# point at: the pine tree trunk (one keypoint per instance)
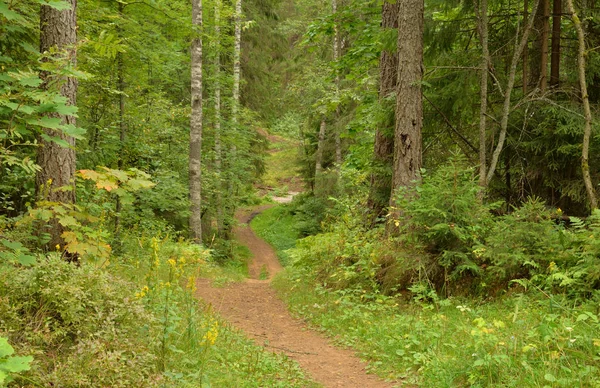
(587, 130)
(409, 104)
(539, 58)
(57, 163)
(195, 162)
(483, 93)
(381, 182)
(556, 31)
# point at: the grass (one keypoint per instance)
(521, 340)
(276, 226)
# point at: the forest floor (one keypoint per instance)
(253, 307)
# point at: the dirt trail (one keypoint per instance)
(254, 308)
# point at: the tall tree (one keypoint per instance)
(217, 118)
(482, 27)
(539, 57)
(381, 184)
(409, 104)
(195, 163)
(55, 180)
(556, 31)
(336, 58)
(237, 50)
(587, 130)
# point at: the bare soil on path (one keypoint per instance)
(254, 308)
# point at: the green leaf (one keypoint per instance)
(56, 4)
(47, 122)
(549, 377)
(14, 245)
(56, 140)
(32, 80)
(73, 131)
(5, 348)
(67, 110)
(26, 260)
(8, 14)
(16, 364)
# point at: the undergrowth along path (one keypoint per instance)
(253, 307)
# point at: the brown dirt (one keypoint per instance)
(254, 308)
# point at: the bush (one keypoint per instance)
(55, 305)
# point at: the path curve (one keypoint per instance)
(254, 308)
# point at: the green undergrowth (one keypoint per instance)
(520, 340)
(130, 321)
(277, 226)
(281, 164)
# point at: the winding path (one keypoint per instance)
(254, 308)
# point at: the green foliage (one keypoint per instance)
(10, 364)
(278, 227)
(513, 341)
(309, 212)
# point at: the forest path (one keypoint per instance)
(254, 308)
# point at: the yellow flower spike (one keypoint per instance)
(57, 247)
(172, 263)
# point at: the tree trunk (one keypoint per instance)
(218, 145)
(587, 131)
(336, 58)
(409, 104)
(237, 49)
(556, 31)
(508, 92)
(320, 144)
(195, 162)
(525, 53)
(383, 155)
(539, 65)
(57, 163)
(482, 18)
(122, 127)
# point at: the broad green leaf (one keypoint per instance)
(32, 80)
(67, 110)
(56, 4)
(56, 140)
(137, 184)
(73, 131)
(14, 245)
(46, 122)
(16, 364)
(9, 14)
(5, 348)
(26, 260)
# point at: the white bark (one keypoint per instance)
(195, 162)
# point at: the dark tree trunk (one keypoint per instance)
(539, 56)
(55, 181)
(381, 178)
(409, 104)
(556, 30)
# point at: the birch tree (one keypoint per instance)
(195, 163)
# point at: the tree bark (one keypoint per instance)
(237, 49)
(409, 104)
(556, 31)
(218, 145)
(55, 181)
(482, 18)
(383, 155)
(508, 92)
(320, 144)
(195, 162)
(539, 65)
(336, 58)
(122, 127)
(587, 130)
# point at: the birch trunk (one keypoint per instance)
(587, 130)
(508, 93)
(195, 162)
(57, 163)
(218, 145)
(336, 58)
